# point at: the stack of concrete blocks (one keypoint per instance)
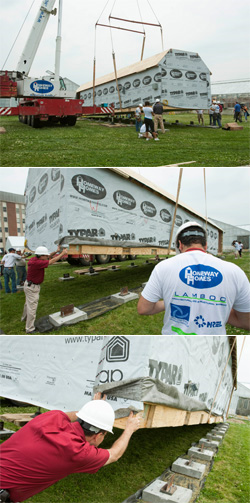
(189, 471)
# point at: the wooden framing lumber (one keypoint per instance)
(158, 416)
(115, 250)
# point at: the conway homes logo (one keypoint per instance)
(191, 75)
(176, 74)
(200, 276)
(136, 83)
(147, 80)
(165, 215)
(88, 187)
(43, 182)
(178, 221)
(148, 209)
(124, 200)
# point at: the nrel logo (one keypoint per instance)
(201, 322)
(42, 86)
(200, 276)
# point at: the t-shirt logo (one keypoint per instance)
(200, 276)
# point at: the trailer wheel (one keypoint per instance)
(35, 122)
(103, 259)
(25, 119)
(64, 121)
(85, 259)
(132, 257)
(73, 261)
(121, 258)
(71, 120)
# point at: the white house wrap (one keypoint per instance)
(60, 372)
(103, 206)
(178, 78)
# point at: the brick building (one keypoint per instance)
(12, 216)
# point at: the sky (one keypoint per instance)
(217, 29)
(227, 189)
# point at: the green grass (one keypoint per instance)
(90, 143)
(150, 452)
(122, 320)
(228, 482)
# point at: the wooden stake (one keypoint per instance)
(175, 210)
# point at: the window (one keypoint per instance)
(17, 210)
(5, 219)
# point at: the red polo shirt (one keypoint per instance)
(46, 450)
(36, 268)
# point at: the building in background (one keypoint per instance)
(230, 91)
(240, 403)
(231, 233)
(12, 217)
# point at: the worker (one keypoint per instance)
(9, 260)
(199, 293)
(158, 111)
(138, 121)
(55, 444)
(148, 121)
(35, 277)
(20, 268)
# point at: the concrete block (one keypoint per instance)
(152, 494)
(205, 455)
(117, 297)
(19, 288)
(222, 433)
(208, 443)
(217, 438)
(5, 433)
(66, 279)
(144, 284)
(57, 320)
(91, 273)
(195, 470)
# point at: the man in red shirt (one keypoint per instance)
(56, 444)
(35, 277)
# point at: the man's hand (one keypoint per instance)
(98, 396)
(133, 422)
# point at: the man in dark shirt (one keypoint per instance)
(158, 111)
(35, 277)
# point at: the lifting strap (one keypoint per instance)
(175, 210)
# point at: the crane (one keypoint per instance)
(44, 98)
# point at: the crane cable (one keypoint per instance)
(143, 27)
(94, 63)
(158, 23)
(17, 35)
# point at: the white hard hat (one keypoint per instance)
(188, 233)
(42, 250)
(18, 249)
(98, 413)
(157, 101)
(141, 105)
(217, 101)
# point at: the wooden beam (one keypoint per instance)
(115, 250)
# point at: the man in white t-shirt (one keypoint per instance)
(200, 292)
(148, 120)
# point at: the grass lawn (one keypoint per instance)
(90, 143)
(83, 289)
(150, 452)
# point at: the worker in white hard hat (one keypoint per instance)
(199, 293)
(35, 277)
(56, 444)
(158, 111)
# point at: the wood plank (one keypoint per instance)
(17, 419)
(115, 250)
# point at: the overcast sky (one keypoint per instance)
(228, 189)
(217, 29)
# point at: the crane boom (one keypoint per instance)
(32, 44)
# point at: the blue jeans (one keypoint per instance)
(21, 274)
(9, 273)
(138, 125)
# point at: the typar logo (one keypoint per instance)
(88, 186)
(42, 86)
(117, 350)
(200, 276)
